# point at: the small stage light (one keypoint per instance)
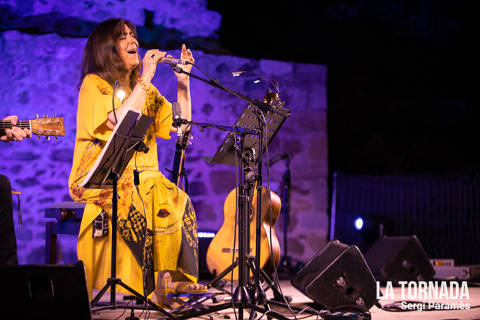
(358, 223)
(120, 94)
(370, 227)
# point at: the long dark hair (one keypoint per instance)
(101, 54)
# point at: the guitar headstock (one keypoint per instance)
(48, 126)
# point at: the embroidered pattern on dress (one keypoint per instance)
(133, 230)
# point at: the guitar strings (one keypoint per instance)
(21, 124)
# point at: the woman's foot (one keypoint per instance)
(171, 283)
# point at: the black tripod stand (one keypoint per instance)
(125, 140)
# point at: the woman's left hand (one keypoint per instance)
(15, 133)
(185, 55)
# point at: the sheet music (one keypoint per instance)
(248, 120)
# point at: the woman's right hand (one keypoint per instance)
(150, 61)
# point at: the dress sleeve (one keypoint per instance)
(160, 109)
(94, 105)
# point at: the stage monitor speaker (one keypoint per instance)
(44, 292)
(338, 278)
(399, 259)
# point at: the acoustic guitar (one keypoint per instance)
(39, 126)
(220, 250)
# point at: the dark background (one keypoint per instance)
(400, 88)
(402, 115)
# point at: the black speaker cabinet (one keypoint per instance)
(44, 292)
(399, 259)
(338, 278)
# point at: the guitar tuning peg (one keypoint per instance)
(56, 138)
(38, 138)
(47, 138)
(36, 116)
(54, 115)
(45, 116)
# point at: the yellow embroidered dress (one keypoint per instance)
(166, 211)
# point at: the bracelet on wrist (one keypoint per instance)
(143, 84)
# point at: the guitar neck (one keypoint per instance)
(6, 124)
(40, 126)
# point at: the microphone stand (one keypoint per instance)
(245, 296)
(286, 268)
(265, 107)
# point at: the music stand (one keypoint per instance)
(249, 120)
(126, 139)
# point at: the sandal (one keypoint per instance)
(176, 290)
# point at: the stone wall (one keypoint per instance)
(40, 74)
(190, 18)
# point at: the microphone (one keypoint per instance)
(177, 119)
(177, 116)
(176, 110)
(173, 61)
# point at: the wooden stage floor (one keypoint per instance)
(299, 299)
